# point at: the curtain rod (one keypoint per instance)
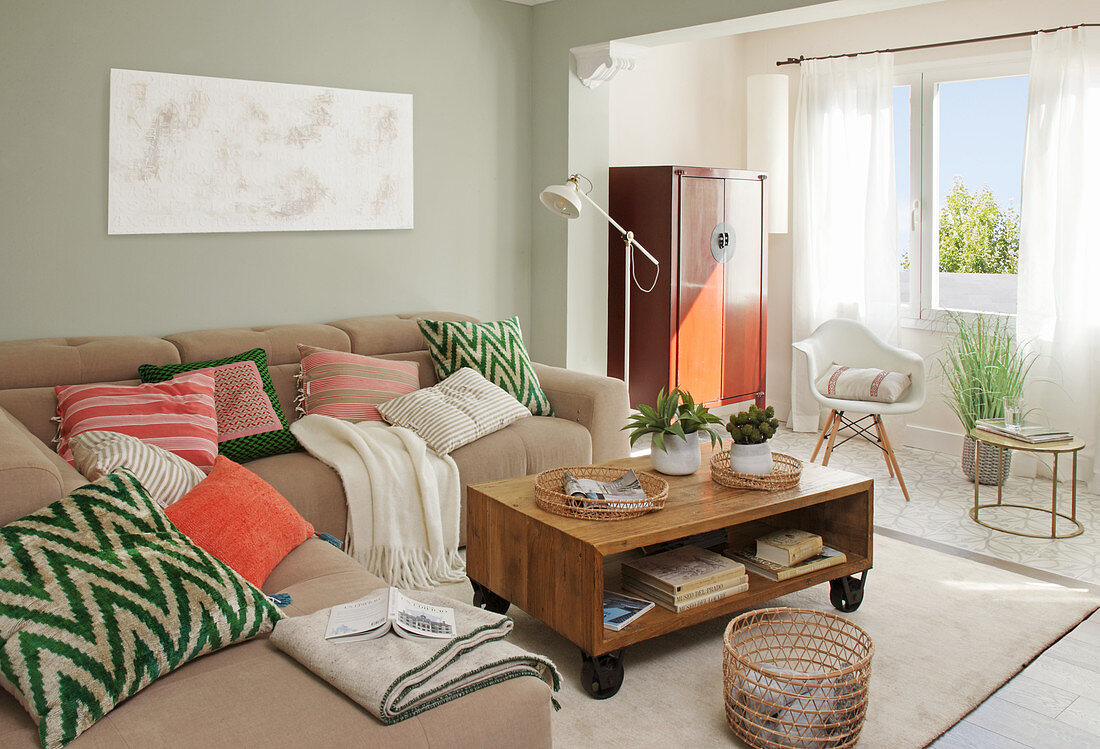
(799, 59)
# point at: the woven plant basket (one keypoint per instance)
(786, 472)
(987, 462)
(796, 678)
(549, 496)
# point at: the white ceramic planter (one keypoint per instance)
(754, 459)
(680, 456)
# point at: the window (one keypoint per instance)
(959, 148)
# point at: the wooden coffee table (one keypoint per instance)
(556, 568)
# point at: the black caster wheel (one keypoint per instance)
(846, 593)
(488, 600)
(602, 675)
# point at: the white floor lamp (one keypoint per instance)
(565, 200)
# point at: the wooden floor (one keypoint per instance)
(1054, 702)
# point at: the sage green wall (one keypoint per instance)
(466, 62)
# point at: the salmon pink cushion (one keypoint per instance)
(240, 519)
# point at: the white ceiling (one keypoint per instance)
(529, 2)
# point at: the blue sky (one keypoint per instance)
(981, 139)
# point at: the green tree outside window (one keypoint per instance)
(977, 234)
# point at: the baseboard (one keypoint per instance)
(936, 440)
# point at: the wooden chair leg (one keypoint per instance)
(893, 459)
(821, 436)
(832, 437)
(885, 456)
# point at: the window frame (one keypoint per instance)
(923, 310)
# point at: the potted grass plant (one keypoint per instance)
(675, 422)
(750, 432)
(982, 366)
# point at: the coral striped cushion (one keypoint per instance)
(177, 416)
(462, 408)
(165, 476)
(350, 386)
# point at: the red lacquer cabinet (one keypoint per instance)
(704, 325)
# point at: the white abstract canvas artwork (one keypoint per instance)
(197, 154)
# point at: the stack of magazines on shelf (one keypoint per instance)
(1027, 432)
(683, 578)
(787, 553)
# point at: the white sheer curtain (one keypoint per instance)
(1059, 268)
(845, 207)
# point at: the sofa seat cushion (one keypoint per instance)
(310, 486)
(252, 695)
(523, 447)
(317, 575)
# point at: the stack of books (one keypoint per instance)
(787, 553)
(684, 578)
(1027, 432)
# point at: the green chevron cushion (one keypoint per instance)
(495, 349)
(251, 424)
(100, 595)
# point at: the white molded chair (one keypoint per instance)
(852, 344)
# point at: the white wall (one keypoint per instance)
(647, 92)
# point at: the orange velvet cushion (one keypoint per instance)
(241, 519)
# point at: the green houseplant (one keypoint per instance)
(671, 420)
(750, 432)
(982, 365)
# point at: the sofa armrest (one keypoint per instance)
(29, 479)
(597, 403)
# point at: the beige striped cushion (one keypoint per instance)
(166, 476)
(457, 411)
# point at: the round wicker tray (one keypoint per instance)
(786, 471)
(796, 677)
(549, 496)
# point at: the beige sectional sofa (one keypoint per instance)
(252, 694)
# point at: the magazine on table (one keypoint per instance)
(389, 609)
(620, 610)
(626, 486)
(1027, 432)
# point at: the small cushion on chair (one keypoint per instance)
(878, 385)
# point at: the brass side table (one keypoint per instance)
(1072, 446)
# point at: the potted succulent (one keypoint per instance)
(750, 451)
(675, 423)
(982, 366)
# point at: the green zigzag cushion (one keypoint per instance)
(495, 349)
(251, 424)
(100, 595)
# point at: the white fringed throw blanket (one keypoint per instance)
(403, 499)
(395, 678)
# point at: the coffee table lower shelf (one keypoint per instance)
(659, 621)
(602, 670)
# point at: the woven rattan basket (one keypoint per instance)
(549, 495)
(786, 472)
(796, 678)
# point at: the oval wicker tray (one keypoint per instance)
(786, 472)
(549, 495)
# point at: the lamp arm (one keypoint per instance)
(623, 231)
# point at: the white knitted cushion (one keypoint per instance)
(166, 476)
(457, 411)
(878, 385)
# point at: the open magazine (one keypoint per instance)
(626, 486)
(371, 617)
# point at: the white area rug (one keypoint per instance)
(948, 632)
